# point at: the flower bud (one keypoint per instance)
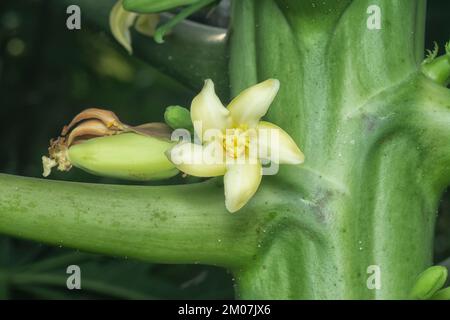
(178, 118)
(429, 282)
(98, 142)
(443, 294)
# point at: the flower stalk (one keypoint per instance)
(151, 6)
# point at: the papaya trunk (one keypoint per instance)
(347, 97)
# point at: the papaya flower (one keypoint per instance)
(233, 141)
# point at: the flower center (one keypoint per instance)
(235, 142)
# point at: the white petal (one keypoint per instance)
(197, 160)
(147, 24)
(252, 104)
(120, 22)
(207, 112)
(277, 145)
(241, 182)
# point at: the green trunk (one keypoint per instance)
(362, 179)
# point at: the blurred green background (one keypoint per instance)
(47, 75)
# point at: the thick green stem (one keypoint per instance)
(174, 224)
(350, 97)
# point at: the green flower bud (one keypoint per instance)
(429, 282)
(443, 294)
(178, 117)
(129, 156)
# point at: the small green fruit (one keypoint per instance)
(127, 156)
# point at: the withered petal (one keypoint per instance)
(108, 117)
(155, 129)
(92, 128)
